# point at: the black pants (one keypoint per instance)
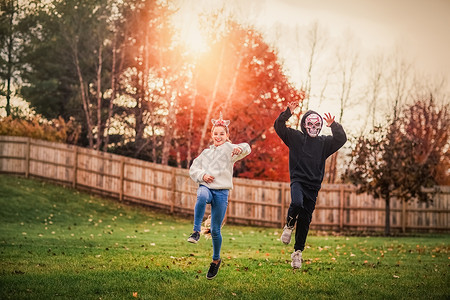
(303, 203)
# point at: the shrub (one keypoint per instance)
(56, 130)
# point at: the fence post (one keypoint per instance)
(174, 189)
(283, 203)
(403, 215)
(341, 207)
(27, 158)
(121, 178)
(75, 166)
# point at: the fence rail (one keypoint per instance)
(252, 202)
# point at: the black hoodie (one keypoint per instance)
(307, 155)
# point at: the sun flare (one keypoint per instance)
(193, 38)
(187, 24)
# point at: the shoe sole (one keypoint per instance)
(192, 241)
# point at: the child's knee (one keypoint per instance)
(305, 216)
(297, 204)
(203, 195)
(215, 232)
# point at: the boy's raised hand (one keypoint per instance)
(292, 106)
(329, 119)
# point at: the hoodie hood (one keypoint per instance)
(302, 123)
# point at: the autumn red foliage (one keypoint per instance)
(427, 125)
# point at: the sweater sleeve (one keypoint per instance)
(337, 140)
(280, 126)
(246, 149)
(196, 171)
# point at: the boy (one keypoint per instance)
(307, 155)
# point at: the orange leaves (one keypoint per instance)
(56, 130)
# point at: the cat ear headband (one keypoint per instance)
(220, 121)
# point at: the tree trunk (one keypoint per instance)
(100, 127)
(113, 92)
(143, 97)
(9, 62)
(154, 143)
(177, 146)
(84, 98)
(168, 134)
(332, 168)
(139, 127)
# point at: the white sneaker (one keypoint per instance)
(286, 235)
(296, 259)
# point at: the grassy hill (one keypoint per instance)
(58, 243)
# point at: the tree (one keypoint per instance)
(427, 126)
(12, 38)
(398, 160)
(375, 164)
(151, 79)
(68, 69)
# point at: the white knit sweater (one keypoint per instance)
(217, 162)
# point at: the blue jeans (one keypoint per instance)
(219, 202)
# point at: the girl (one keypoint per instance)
(213, 171)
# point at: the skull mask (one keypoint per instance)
(313, 124)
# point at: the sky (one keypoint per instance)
(423, 26)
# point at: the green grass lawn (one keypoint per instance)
(58, 243)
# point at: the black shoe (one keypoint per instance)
(195, 236)
(213, 269)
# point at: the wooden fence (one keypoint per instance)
(253, 202)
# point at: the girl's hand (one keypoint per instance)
(236, 151)
(329, 119)
(208, 178)
(292, 106)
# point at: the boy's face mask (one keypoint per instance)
(313, 125)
